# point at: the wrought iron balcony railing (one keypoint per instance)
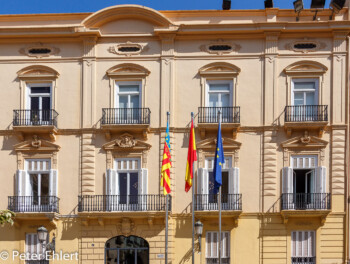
(103, 203)
(306, 113)
(303, 260)
(209, 202)
(216, 261)
(33, 204)
(210, 114)
(119, 116)
(306, 201)
(35, 117)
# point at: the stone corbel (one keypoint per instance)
(20, 136)
(100, 221)
(53, 222)
(85, 222)
(285, 219)
(17, 223)
(52, 136)
(202, 132)
(289, 132)
(323, 219)
(320, 132)
(235, 221)
(150, 221)
(234, 134)
(108, 134)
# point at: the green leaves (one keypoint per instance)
(6, 216)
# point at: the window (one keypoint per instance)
(39, 103)
(206, 199)
(127, 185)
(219, 93)
(33, 246)
(212, 247)
(304, 184)
(37, 186)
(305, 92)
(303, 247)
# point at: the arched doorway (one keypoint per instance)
(126, 250)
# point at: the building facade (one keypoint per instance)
(85, 100)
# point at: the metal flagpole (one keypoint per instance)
(219, 205)
(193, 181)
(166, 214)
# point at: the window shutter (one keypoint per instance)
(225, 248)
(321, 179)
(303, 243)
(287, 180)
(208, 245)
(28, 188)
(21, 183)
(112, 189)
(53, 183)
(215, 248)
(233, 181)
(199, 181)
(143, 187)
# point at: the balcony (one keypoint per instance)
(303, 260)
(123, 203)
(305, 117)
(305, 204)
(208, 119)
(35, 121)
(118, 119)
(33, 204)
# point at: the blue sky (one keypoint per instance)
(68, 6)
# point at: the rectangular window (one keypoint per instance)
(212, 247)
(39, 101)
(33, 246)
(305, 92)
(303, 247)
(128, 173)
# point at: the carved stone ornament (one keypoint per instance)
(227, 47)
(306, 138)
(126, 226)
(39, 50)
(317, 45)
(128, 49)
(36, 142)
(125, 141)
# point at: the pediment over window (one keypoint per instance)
(305, 141)
(36, 145)
(129, 70)
(306, 67)
(126, 142)
(119, 12)
(219, 69)
(37, 71)
(210, 143)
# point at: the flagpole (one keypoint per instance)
(219, 202)
(166, 214)
(193, 186)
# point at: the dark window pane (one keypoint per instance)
(34, 103)
(36, 90)
(123, 187)
(134, 188)
(45, 103)
(224, 186)
(44, 184)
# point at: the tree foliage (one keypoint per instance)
(6, 216)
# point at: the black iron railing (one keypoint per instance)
(216, 260)
(103, 203)
(306, 113)
(33, 204)
(303, 260)
(209, 202)
(210, 114)
(38, 261)
(35, 117)
(116, 116)
(306, 201)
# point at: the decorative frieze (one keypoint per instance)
(128, 49)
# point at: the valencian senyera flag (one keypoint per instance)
(219, 160)
(191, 158)
(166, 164)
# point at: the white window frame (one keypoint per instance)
(33, 246)
(304, 158)
(225, 252)
(118, 83)
(311, 247)
(209, 82)
(317, 88)
(39, 173)
(128, 171)
(29, 95)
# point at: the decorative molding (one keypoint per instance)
(37, 72)
(210, 143)
(319, 45)
(36, 145)
(304, 142)
(125, 141)
(219, 69)
(115, 49)
(220, 42)
(127, 69)
(36, 142)
(126, 226)
(26, 50)
(305, 68)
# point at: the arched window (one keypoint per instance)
(127, 250)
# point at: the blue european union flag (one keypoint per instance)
(218, 161)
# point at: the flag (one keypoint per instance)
(166, 164)
(218, 161)
(191, 157)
